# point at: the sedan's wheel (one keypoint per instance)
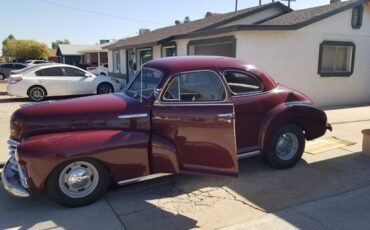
(105, 88)
(287, 147)
(2, 76)
(37, 93)
(78, 183)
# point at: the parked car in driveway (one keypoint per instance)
(40, 81)
(37, 62)
(103, 70)
(196, 115)
(6, 68)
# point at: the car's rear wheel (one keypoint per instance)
(2, 76)
(287, 147)
(78, 183)
(105, 88)
(37, 93)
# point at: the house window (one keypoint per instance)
(116, 61)
(169, 51)
(336, 58)
(144, 55)
(357, 13)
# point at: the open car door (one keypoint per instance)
(194, 114)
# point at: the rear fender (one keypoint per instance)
(125, 154)
(312, 120)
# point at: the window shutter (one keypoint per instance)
(357, 17)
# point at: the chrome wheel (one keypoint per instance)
(287, 146)
(78, 179)
(37, 94)
(105, 88)
(2, 76)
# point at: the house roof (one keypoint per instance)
(290, 20)
(166, 33)
(311, 15)
(65, 49)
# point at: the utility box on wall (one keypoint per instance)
(366, 141)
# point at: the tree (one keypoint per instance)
(25, 49)
(6, 40)
(187, 19)
(54, 45)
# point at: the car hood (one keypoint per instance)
(110, 111)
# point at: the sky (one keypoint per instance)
(88, 21)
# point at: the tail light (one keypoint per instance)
(14, 79)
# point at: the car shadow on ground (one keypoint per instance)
(188, 201)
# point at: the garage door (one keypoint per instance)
(224, 46)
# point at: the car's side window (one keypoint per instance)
(39, 73)
(195, 87)
(72, 72)
(242, 83)
(52, 72)
(18, 66)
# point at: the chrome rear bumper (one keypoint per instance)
(12, 182)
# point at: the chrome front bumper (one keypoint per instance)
(13, 176)
(11, 181)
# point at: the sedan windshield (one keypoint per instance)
(145, 82)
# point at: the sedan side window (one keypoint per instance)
(241, 83)
(195, 87)
(72, 72)
(52, 72)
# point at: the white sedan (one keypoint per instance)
(40, 81)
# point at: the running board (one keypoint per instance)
(139, 179)
(248, 154)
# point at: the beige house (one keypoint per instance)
(322, 51)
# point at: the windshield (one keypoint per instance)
(148, 81)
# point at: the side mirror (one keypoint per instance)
(157, 92)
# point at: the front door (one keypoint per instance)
(195, 114)
(77, 82)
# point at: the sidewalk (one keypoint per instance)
(324, 191)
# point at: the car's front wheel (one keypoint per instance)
(287, 147)
(78, 183)
(37, 93)
(2, 76)
(105, 88)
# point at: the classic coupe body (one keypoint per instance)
(195, 115)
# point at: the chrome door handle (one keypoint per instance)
(225, 115)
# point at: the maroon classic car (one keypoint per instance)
(195, 115)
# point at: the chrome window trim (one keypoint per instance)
(170, 79)
(128, 116)
(137, 74)
(249, 74)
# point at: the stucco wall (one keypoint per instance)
(110, 61)
(156, 52)
(291, 58)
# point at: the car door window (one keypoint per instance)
(73, 72)
(195, 87)
(7, 66)
(18, 66)
(52, 72)
(242, 83)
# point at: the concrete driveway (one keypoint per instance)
(330, 190)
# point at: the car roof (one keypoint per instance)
(173, 65)
(188, 63)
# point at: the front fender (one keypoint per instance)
(124, 153)
(312, 120)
